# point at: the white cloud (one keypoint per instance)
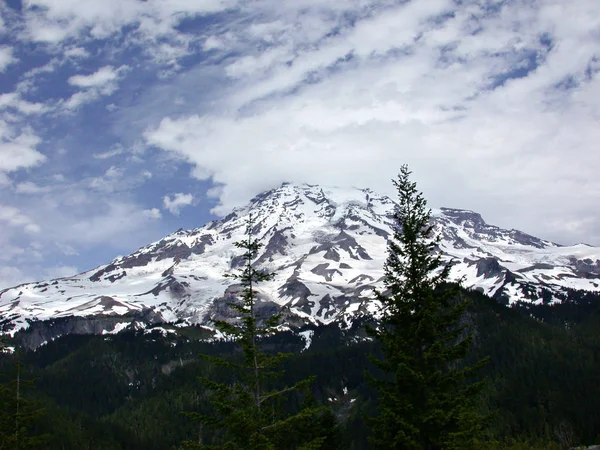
(66, 249)
(14, 100)
(28, 187)
(9, 252)
(26, 264)
(152, 24)
(6, 58)
(103, 76)
(399, 86)
(153, 213)
(60, 272)
(117, 179)
(100, 83)
(76, 52)
(169, 54)
(110, 181)
(102, 19)
(212, 43)
(14, 217)
(11, 276)
(74, 221)
(81, 98)
(117, 223)
(27, 83)
(177, 202)
(252, 64)
(40, 29)
(18, 152)
(109, 153)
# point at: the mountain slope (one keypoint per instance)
(327, 246)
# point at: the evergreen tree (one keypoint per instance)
(249, 411)
(427, 398)
(18, 413)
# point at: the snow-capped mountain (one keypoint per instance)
(327, 247)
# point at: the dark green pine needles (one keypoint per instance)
(427, 399)
(18, 413)
(249, 413)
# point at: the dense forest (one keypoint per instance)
(130, 390)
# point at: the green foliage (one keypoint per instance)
(524, 444)
(540, 374)
(426, 399)
(18, 413)
(247, 412)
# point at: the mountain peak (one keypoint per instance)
(327, 246)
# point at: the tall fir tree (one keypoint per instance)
(249, 411)
(427, 398)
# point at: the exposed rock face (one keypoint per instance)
(488, 268)
(327, 247)
(40, 332)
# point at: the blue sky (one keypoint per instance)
(124, 120)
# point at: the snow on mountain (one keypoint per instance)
(327, 247)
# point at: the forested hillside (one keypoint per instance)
(128, 391)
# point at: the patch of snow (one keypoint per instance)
(161, 330)
(118, 328)
(307, 335)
